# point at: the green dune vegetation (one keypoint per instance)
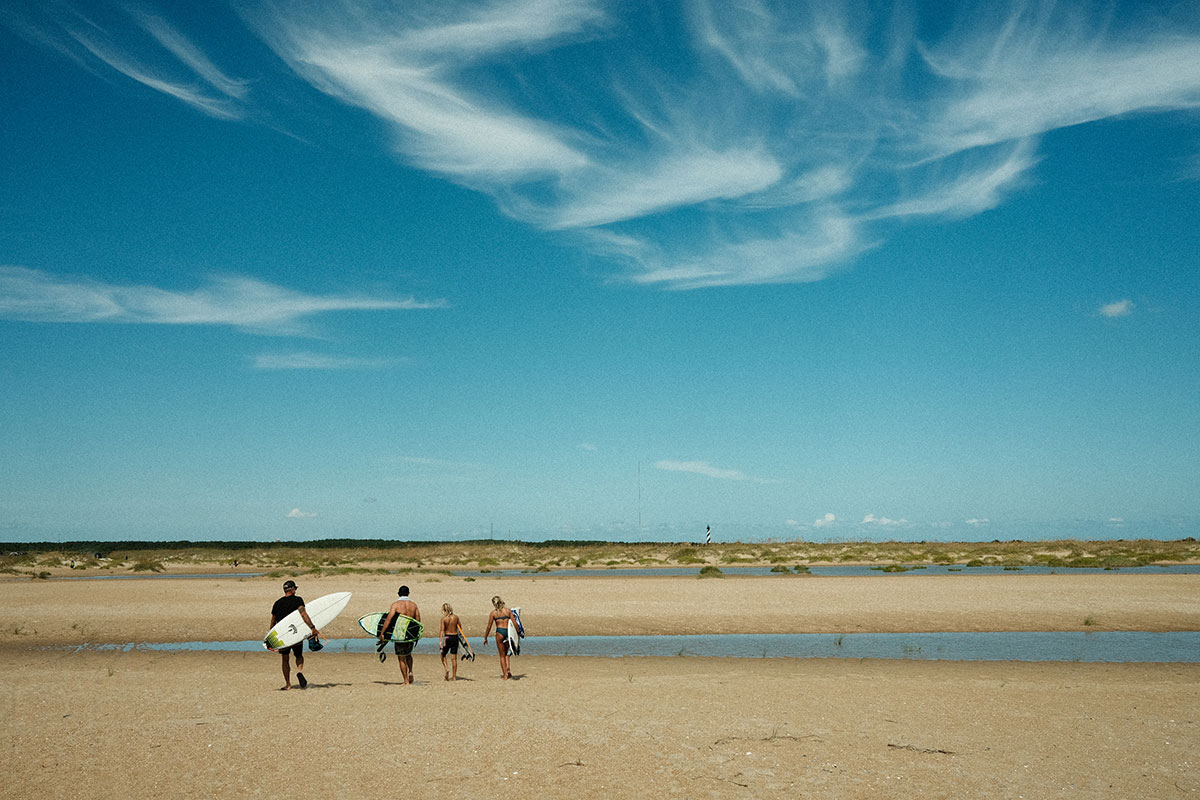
(379, 556)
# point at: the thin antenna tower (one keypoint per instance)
(639, 495)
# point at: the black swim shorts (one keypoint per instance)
(403, 648)
(451, 645)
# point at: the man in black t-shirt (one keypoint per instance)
(284, 606)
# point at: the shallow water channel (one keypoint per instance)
(1100, 646)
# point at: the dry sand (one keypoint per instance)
(153, 724)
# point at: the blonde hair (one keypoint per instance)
(446, 610)
(497, 602)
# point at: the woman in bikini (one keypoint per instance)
(501, 617)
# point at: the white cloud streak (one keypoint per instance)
(191, 56)
(143, 47)
(709, 471)
(318, 361)
(1044, 68)
(383, 58)
(187, 93)
(242, 302)
(701, 468)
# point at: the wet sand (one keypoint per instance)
(155, 724)
(105, 611)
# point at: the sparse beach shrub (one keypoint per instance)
(711, 572)
(780, 568)
(893, 568)
(974, 562)
(802, 569)
(147, 566)
(686, 555)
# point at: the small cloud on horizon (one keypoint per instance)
(976, 521)
(587, 446)
(296, 513)
(824, 521)
(1121, 308)
(871, 519)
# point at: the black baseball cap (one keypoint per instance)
(289, 585)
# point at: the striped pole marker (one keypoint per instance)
(708, 534)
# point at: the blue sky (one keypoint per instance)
(568, 268)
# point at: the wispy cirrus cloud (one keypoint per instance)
(705, 143)
(238, 301)
(1022, 70)
(140, 45)
(708, 471)
(404, 63)
(783, 140)
(318, 361)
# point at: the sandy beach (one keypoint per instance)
(82, 723)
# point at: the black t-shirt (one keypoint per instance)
(286, 605)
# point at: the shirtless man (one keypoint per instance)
(449, 640)
(404, 607)
(284, 606)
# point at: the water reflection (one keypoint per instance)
(1100, 646)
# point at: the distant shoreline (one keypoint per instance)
(333, 557)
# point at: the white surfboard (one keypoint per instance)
(516, 632)
(292, 628)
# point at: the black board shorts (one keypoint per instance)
(403, 648)
(297, 649)
(451, 645)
